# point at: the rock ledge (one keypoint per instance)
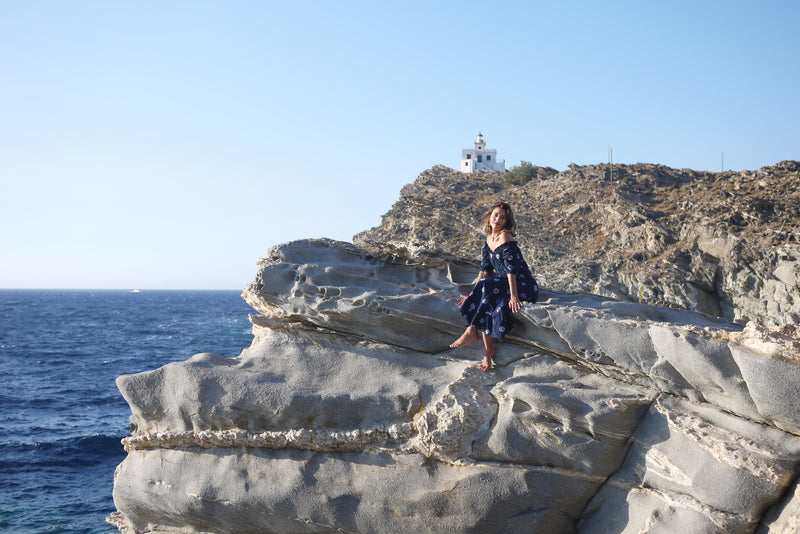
(350, 413)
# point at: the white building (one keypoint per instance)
(481, 158)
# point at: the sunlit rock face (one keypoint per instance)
(350, 413)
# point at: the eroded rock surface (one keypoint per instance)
(350, 413)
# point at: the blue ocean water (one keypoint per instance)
(61, 415)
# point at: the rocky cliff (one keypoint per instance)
(725, 244)
(350, 413)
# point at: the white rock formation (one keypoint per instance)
(350, 413)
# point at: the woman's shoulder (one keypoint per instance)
(505, 237)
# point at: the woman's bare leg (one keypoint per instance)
(488, 353)
(469, 335)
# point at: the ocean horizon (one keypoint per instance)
(63, 417)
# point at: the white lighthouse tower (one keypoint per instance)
(481, 158)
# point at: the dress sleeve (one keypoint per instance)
(512, 257)
(486, 264)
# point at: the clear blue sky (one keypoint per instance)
(151, 144)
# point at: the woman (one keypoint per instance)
(489, 306)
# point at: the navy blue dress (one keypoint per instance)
(486, 307)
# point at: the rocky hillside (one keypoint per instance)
(725, 244)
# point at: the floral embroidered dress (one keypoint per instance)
(486, 307)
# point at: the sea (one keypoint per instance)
(61, 414)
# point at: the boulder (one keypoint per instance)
(350, 413)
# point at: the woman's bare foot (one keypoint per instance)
(469, 335)
(486, 364)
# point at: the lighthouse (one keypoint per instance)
(480, 158)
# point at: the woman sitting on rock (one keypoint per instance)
(489, 306)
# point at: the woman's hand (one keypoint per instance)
(461, 301)
(515, 304)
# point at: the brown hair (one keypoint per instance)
(511, 224)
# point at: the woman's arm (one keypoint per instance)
(481, 276)
(514, 304)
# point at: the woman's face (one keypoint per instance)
(497, 220)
